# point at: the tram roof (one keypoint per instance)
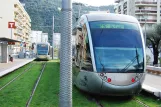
(110, 16)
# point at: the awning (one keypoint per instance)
(2, 39)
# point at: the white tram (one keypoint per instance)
(109, 54)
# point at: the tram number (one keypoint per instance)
(112, 26)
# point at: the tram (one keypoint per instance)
(43, 51)
(109, 54)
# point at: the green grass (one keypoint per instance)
(18, 92)
(122, 101)
(149, 99)
(9, 77)
(46, 94)
(79, 99)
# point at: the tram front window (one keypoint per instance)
(117, 47)
(42, 49)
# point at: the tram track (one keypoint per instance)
(11, 81)
(96, 100)
(36, 84)
(92, 98)
(140, 102)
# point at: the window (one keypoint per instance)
(86, 62)
(83, 55)
(117, 47)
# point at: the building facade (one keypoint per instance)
(146, 11)
(44, 37)
(13, 11)
(36, 36)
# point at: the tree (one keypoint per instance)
(154, 37)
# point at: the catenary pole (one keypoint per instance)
(53, 40)
(65, 95)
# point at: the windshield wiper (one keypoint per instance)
(137, 57)
(133, 60)
(103, 67)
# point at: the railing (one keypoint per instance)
(147, 20)
(154, 70)
(145, 2)
(146, 10)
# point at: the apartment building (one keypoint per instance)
(13, 11)
(146, 11)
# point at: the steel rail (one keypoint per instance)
(94, 99)
(16, 77)
(35, 86)
(140, 102)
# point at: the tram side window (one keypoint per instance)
(86, 62)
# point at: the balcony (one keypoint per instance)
(142, 13)
(18, 19)
(18, 12)
(145, 3)
(19, 26)
(149, 21)
(145, 11)
(18, 32)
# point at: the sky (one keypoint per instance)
(96, 2)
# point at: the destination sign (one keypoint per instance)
(113, 25)
(42, 45)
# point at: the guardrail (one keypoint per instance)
(154, 70)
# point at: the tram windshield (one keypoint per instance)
(117, 47)
(42, 49)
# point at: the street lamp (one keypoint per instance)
(79, 9)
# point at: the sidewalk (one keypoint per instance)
(152, 84)
(6, 68)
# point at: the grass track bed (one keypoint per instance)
(18, 92)
(121, 101)
(149, 99)
(7, 78)
(47, 92)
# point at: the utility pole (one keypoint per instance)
(53, 41)
(65, 94)
(145, 30)
(145, 17)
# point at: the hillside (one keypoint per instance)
(41, 13)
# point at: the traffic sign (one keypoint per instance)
(11, 25)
